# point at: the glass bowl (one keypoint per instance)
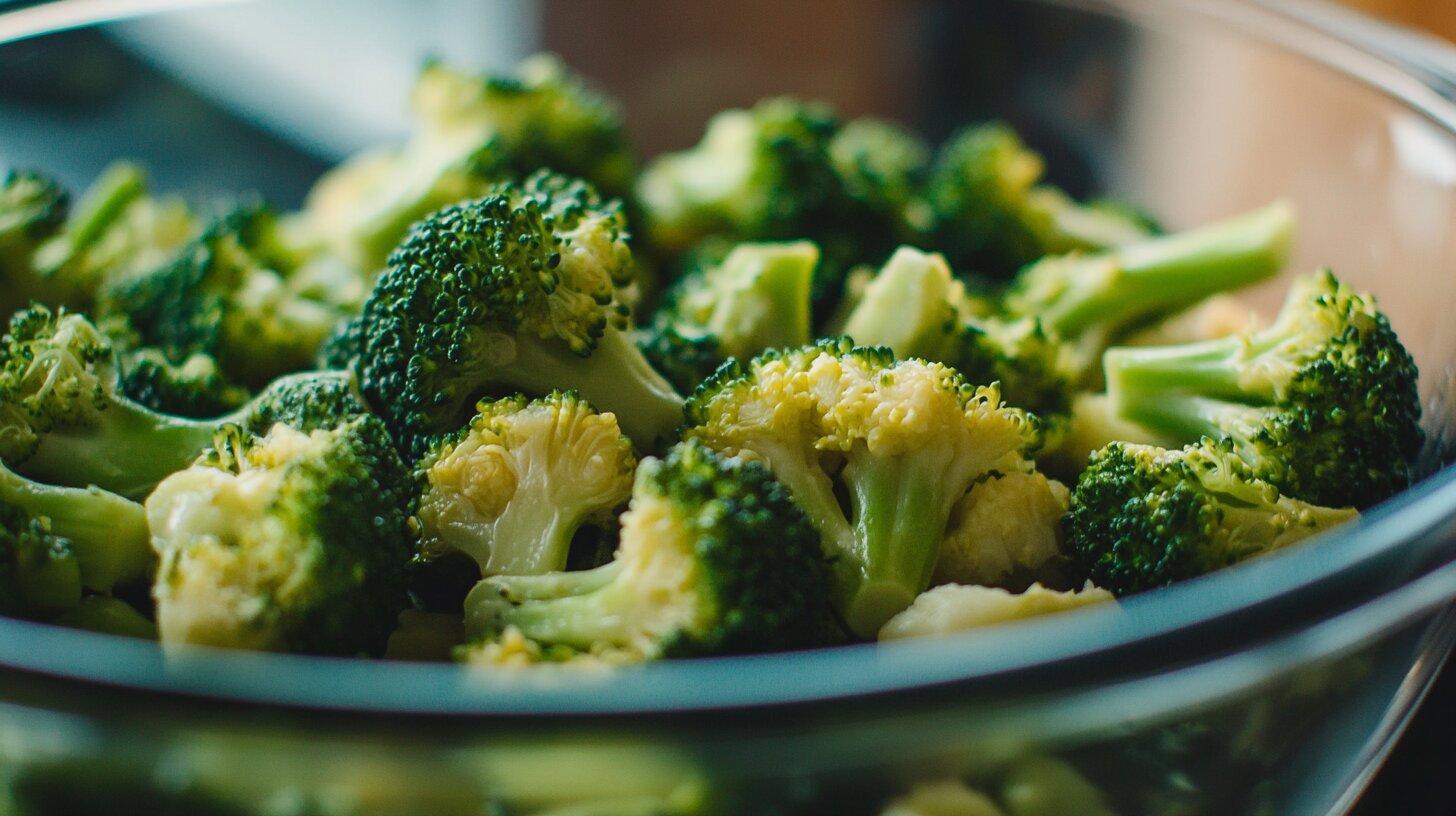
(1273, 687)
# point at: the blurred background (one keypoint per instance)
(259, 89)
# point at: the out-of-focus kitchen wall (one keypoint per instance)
(1434, 16)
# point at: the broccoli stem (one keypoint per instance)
(574, 609)
(1227, 367)
(531, 538)
(900, 511)
(616, 378)
(108, 533)
(1158, 274)
(127, 450)
(1187, 418)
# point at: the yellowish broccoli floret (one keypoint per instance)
(1005, 532)
(512, 488)
(290, 542)
(956, 608)
(942, 798)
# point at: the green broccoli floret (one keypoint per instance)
(1144, 517)
(714, 559)
(903, 441)
(884, 169)
(33, 207)
(513, 292)
(226, 295)
(512, 488)
(193, 388)
(992, 216)
(116, 228)
(471, 132)
(1086, 300)
(291, 541)
(757, 298)
(106, 533)
(39, 576)
(1322, 403)
(64, 421)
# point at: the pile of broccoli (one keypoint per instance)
(500, 396)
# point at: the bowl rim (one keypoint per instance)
(1294, 588)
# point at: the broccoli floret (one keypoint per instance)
(291, 541)
(1086, 300)
(116, 228)
(110, 616)
(992, 217)
(884, 169)
(33, 207)
(513, 292)
(1322, 403)
(957, 607)
(1006, 532)
(39, 575)
(106, 533)
(1144, 517)
(64, 421)
(757, 298)
(903, 441)
(226, 295)
(714, 559)
(471, 131)
(909, 306)
(193, 388)
(512, 488)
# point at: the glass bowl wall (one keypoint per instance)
(1270, 688)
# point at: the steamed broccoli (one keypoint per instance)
(883, 169)
(33, 207)
(291, 541)
(903, 440)
(193, 388)
(1144, 517)
(64, 421)
(226, 295)
(511, 488)
(39, 576)
(953, 608)
(1322, 403)
(471, 132)
(513, 292)
(757, 298)
(714, 559)
(1006, 532)
(992, 217)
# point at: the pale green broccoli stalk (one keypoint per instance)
(903, 441)
(909, 306)
(757, 298)
(512, 488)
(107, 533)
(116, 228)
(1144, 517)
(63, 420)
(514, 292)
(992, 217)
(39, 576)
(33, 207)
(1086, 300)
(471, 132)
(227, 295)
(1322, 403)
(714, 559)
(109, 616)
(291, 541)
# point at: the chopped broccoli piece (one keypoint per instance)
(1006, 532)
(39, 576)
(909, 306)
(715, 559)
(64, 421)
(958, 607)
(33, 208)
(471, 132)
(757, 298)
(992, 217)
(904, 441)
(1144, 517)
(512, 488)
(513, 292)
(110, 616)
(193, 388)
(291, 541)
(1322, 403)
(884, 169)
(226, 295)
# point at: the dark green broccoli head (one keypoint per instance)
(291, 541)
(226, 295)
(886, 168)
(1030, 364)
(517, 291)
(1144, 517)
(194, 388)
(33, 207)
(1322, 403)
(715, 558)
(39, 575)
